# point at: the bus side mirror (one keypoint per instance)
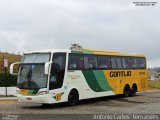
(12, 68)
(46, 67)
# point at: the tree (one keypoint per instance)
(75, 46)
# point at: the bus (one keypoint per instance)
(70, 75)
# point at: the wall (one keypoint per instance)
(10, 91)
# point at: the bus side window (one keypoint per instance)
(104, 62)
(127, 62)
(75, 62)
(119, 62)
(141, 63)
(90, 62)
(114, 64)
(134, 63)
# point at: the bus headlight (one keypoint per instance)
(42, 92)
(18, 91)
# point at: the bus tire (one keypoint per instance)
(73, 97)
(126, 91)
(46, 105)
(133, 90)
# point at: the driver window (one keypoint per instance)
(57, 70)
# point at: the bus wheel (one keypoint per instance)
(46, 105)
(126, 91)
(73, 97)
(133, 90)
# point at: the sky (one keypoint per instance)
(28, 25)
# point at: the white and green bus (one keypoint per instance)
(55, 76)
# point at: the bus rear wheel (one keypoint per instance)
(126, 91)
(133, 90)
(73, 98)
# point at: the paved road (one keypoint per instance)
(142, 103)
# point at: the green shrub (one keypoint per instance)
(8, 80)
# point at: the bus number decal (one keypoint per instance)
(120, 73)
(58, 96)
(141, 73)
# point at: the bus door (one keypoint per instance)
(57, 71)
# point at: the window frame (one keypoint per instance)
(120, 63)
(74, 54)
(58, 83)
(131, 58)
(108, 68)
(145, 64)
(93, 55)
(130, 64)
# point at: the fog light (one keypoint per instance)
(18, 91)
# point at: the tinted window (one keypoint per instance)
(113, 61)
(32, 77)
(119, 62)
(57, 70)
(59, 58)
(79, 62)
(75, 62)
(141, 63)
(138, 63)
(36, 58)
(127, 63)
(90, 62)
(134, 63)
(104, 62)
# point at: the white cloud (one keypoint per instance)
(103, 24)
(13, 41)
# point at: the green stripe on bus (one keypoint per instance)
(91, 80)
(78, 52)
(32, 92)
(102, 81)
(82, 52)
(35, 91)
(88, 52)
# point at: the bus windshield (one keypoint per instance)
(32, 76)
(31, 73)
(35, 58)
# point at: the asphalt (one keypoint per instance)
(14, 97)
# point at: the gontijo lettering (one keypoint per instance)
(120, 73)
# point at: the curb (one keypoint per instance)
(158, 90)
(8, 98)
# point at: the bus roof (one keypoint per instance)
(87, 51)
(48, 51)
(105, 52)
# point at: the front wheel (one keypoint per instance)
(73, 98)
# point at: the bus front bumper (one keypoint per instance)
(34, 99)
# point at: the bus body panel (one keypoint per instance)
(118, 81)
(77, 80)
(89, 83)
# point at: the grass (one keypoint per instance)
(154, 84)
(11, 59)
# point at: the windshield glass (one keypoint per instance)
(36, 58)
(32, 76)
(31, 73)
